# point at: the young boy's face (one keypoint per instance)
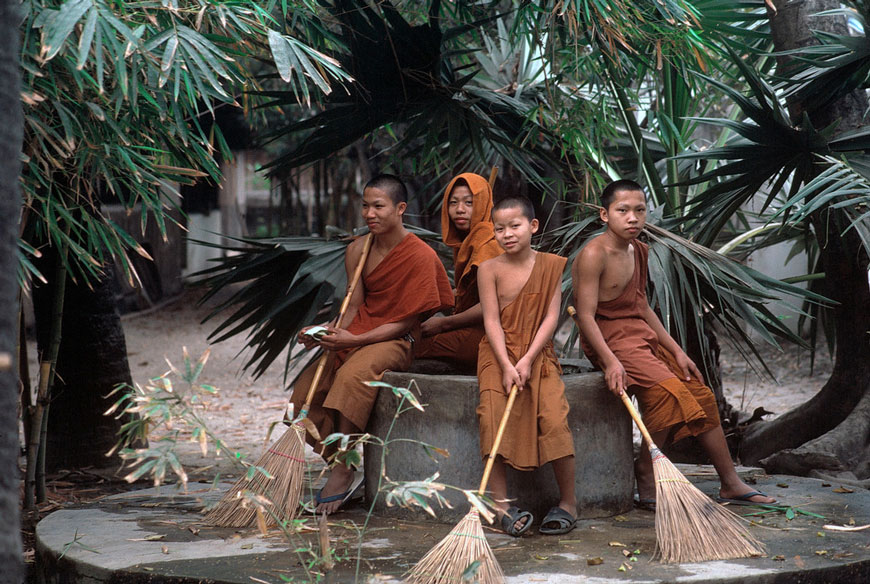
(379, 211)
(513, 230)
(459, 207)
(626, 214)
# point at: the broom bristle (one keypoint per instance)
(690, 526)
(452, 557)
(284, 461)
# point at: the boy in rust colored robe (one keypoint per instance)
(624, 337)
(466, 227)
(403, 282)
(521, 294)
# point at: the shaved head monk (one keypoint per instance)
(466, 227)
(403, 282)
(625, 338)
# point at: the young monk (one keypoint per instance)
(625, 338)
(520, 292)
(402, 283)
(466, 226)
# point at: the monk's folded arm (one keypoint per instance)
(388, 331)
(471, 317)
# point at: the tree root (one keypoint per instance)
(842, 452)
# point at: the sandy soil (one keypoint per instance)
(244, 407)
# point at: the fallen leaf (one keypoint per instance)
(782, 485)
(820, 534)
(626, 553)
(778, 558)
(851, 521)
(821, 552)
(843, 555)
(247, 546)
(594, 561)
(842, 489)
(636, 552)
(799, 562)
(164, 549)
(620, 518)
(632, 559)
(621, 568)
(540, 557)
(155, 537)
(616, 544)
(826, 484)
(846, 527)
(193, 530)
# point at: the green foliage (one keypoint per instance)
(118, 101)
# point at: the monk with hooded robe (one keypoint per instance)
(403, 282)
(466, 226)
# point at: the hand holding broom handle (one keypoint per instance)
(512, 396)
(625, 399)
(321, 364)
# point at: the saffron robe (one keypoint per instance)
(667, 402)
(409, 281)
(537, 430)
(469, 251)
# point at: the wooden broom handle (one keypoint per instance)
(512, 396)
(625, 399)
(321, 364)
(492, 174)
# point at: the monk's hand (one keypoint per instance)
(524, 370)
(688, 367)
(510, 377)
(433, 326)
(337, 339)
(614, 375)
(309, 341)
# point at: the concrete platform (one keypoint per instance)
(151, 536)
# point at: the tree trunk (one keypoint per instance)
(830, 432)
(11, 135)
(91, 362)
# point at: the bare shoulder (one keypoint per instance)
(490, 266)
(592, 257)
(354, 250)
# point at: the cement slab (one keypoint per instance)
(158, 536)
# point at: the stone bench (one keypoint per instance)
(604, 483)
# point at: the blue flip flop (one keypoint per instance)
(355, 489)
(744, 499)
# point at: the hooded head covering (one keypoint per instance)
(477, 245)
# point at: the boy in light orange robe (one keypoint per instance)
(520, 292)
(466, 226)
(626, 339)
(403, 282)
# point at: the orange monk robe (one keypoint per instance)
(409, 281)
(537, 430)
(469, 251)
(666, 402)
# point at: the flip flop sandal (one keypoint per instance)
(354, 492)
(562, 520)
(645, 504)
(510, 518)
(744, 499)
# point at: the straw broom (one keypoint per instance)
(466, 543)
(690, 526)
(284, 461)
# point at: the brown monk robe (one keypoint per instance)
(687, 408)
(409, 281)
(470, 249)
(537, 430)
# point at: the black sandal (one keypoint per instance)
(510, 518)
(560, 520)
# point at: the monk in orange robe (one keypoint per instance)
(403, 282)
(466, 227)
(521, 295)
(625, 338)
